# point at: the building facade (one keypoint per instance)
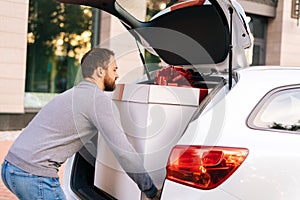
(273, 23)
(13, 45)
(281, 40)
(13, 37)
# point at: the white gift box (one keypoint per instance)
(154, 118)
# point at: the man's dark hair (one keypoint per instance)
(94, 58)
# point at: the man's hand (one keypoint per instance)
(157, 196)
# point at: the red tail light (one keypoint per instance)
(203, 167)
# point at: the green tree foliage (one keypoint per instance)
(49, 20)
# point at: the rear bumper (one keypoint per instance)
(175, 191)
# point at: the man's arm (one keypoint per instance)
(107, 121)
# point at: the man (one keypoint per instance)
(63, 126)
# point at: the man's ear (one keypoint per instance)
(100, 71)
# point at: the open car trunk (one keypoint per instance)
(154, 118)
(200, 44)
(153, 123)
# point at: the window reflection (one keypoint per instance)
(294, 127)
(280, 111)
(58, 35)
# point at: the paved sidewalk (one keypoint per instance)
(6, 140)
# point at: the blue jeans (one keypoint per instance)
(30, 187)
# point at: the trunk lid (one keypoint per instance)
(205, 34)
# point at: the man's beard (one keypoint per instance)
(109, 84)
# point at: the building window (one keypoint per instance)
(58, 35)
(295, 9)
(258, 27)
(280, 110)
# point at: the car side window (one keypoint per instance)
(279, 109)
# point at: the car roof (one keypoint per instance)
(268, 77)
(268, 68)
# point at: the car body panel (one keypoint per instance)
(273, 155)
(177, 191)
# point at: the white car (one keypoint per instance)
(207, 125)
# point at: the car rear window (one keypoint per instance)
(278, 110)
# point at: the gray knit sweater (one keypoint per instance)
(65, 124)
